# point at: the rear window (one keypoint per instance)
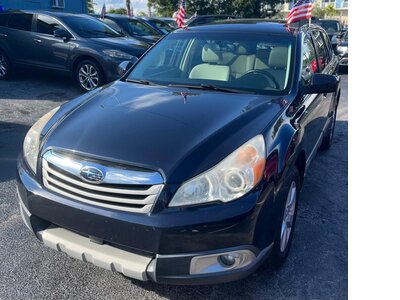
(3, 19)
(21, 21)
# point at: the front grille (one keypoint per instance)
(122, 189)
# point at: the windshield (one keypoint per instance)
(138, 28)
(255, 63)
(89, 27)
(330, 26)
(163, 26)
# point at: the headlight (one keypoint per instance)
(342, 49)
(32, 140)
(232, 178)
(118, 54)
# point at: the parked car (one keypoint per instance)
(333, 27)
(206, 19)
(77, 44)
(158, 25)
(132, 27)
(188, 169)
(170, 21)
(343, 51)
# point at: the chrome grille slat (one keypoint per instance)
(153, 190)
(59, 173)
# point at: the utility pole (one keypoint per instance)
(128, 7)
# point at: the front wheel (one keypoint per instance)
(284, 234)
(89, 75)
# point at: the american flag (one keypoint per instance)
(181, 14)
(301, 10)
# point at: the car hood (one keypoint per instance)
(121, 42)
(178, 132)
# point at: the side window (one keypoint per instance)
(112, 24)
(320, 47)
(309, 66)
(3, 19)
(21, 21)
(328, 45)
(47, 25)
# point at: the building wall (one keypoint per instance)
(73, 6)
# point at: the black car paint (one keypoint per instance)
(182, 138)
(30, 48)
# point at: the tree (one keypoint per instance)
(90, 6)
(318, 12)
(330, 10)
(242, 8)
(141, 14)
(119, 11)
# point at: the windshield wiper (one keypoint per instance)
(208, 87)
(144, 82)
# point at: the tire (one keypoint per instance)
(5, 66)
(89, 75)
(328, 138)
(282, 245)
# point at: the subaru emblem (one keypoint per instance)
(92, 175)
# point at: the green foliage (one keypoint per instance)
(330, 10)
(318, 12)
(90, 6)
(119, 11)
(141, 14)
(321, 13)
(242, 8)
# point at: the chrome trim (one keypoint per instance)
(113, 175)
(126, 198)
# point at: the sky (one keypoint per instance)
(137, 5)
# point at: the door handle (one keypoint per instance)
(37, 40)
(3, 34)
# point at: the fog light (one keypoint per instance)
(221, 262)
(228, 260)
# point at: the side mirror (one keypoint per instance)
(62, 33)
(321, 84)
(126, 65)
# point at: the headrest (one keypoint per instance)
(241, 50)
(211, 54)
(278, 57)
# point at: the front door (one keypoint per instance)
(51, 52)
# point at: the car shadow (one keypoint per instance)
(11, 141)
(31, 84)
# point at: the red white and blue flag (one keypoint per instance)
(181, 15)
(301, 10)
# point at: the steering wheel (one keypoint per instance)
(264, 74)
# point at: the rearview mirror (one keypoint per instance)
(126, 65)
(321, 84)
(62, 33)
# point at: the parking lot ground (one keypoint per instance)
(316, 267)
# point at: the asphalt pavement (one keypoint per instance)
(316, 267)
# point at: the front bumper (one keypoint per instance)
(158, 247)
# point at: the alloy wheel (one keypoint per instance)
(3, 66)
(288, 217)
(88, 77)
